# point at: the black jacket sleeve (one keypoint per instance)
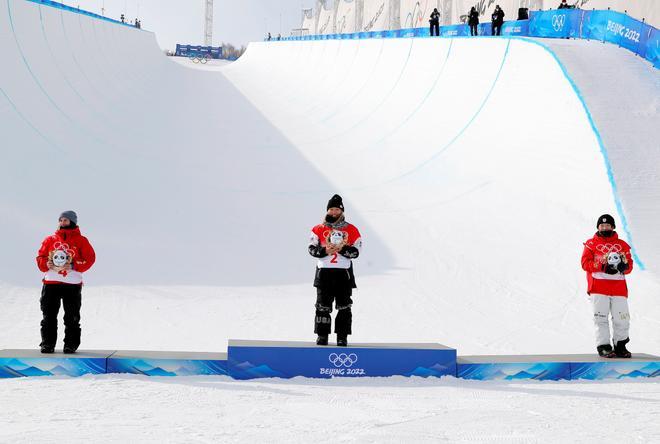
(317, 250)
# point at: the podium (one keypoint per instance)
(158, 363)
(18, 363)
(279, 359)
(556, 367)
(595, 368)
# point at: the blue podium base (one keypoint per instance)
(266, 359)
(153, 363)
(18, 363)
(272, 359)
(556, 367)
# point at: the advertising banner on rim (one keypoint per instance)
(562, 23)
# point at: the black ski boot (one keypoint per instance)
(69, 350)
(322, 340)
(342, 341)
(620, 349)
(605, 351)
(47, 349)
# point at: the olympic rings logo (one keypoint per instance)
(609, 248)
(558, 22)
(64, 247)
(342, 359)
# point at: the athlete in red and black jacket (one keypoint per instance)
(63, 257)
(607, 260)
(335, 244)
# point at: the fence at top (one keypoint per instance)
(606, 26)
(64, 7)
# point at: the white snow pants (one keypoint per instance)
(617, 306)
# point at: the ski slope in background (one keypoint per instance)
(470, 166)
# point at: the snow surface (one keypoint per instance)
(198, 190)
(623, 95)
(216, 409)
(210, 65)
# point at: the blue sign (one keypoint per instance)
(551, 367)
(455, 31)
(167, 363)
(518, 28)
(616, 369)
(609, 26)
(515, 371)
(212, 52)
(62, 6)
(19, 363)
(558, 23)
(652, 47)
(264, 359)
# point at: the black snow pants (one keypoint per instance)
(333, 285)
(435, 29)
(70, 297)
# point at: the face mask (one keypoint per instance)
(607, 233)
(331, 220)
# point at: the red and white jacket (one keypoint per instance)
(594, 257)
(320, 237)
(72, 248)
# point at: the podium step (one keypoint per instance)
(19, 363)
(273, 359)
(556, 367)
(157, 363)
(278, 359)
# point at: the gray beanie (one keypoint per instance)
(71, 215)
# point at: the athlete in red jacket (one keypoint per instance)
(607, 260)
(63, 257)
(335, 243)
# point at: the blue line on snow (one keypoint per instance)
(465, 127)
(603, 151)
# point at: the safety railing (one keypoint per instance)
(64, 7)
(606, 26)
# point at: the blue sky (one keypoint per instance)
(182, 21)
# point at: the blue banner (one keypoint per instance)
(518, 27)
(607, 26)
(563, 23)
(454, 31)
(652, 47)
(613, 27)
(77, 10)
(213, 52)
(263, 359)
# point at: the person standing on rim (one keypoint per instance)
(473, 21)
(497, 21)
(64, 257)
(435, 23)
(334, 243)
(607, 261)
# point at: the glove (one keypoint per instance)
(610, 269)
(622, 267)
(349, 252)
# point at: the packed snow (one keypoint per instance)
(215, 409)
